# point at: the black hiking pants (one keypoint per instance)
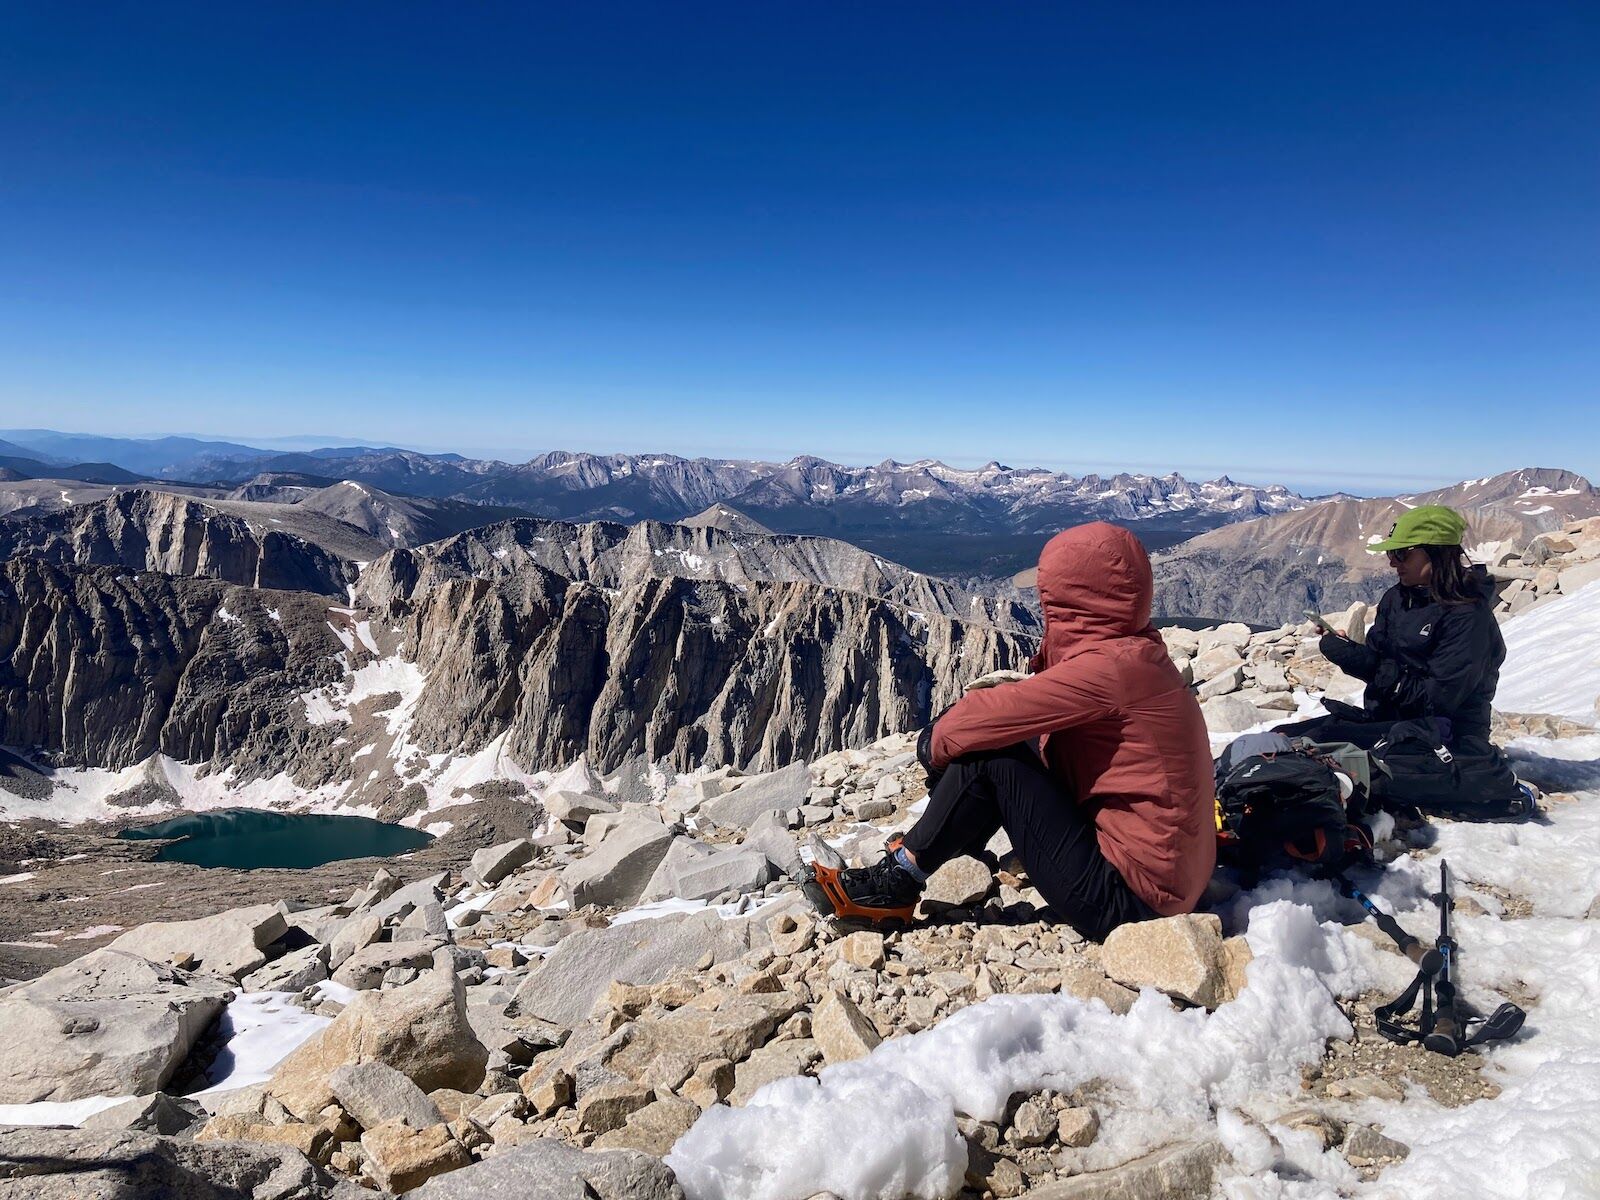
(981, 793)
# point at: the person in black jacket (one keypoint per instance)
(1431, 662)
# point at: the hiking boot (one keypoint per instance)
(883, 894)
(1519, 809)
(885, 884)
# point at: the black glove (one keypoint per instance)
(1386, 681)
(925, 754)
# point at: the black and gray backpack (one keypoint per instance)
(1281, 803)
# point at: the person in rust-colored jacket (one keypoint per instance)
(1097, 764)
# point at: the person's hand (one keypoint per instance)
(994, 679)
(925, 754)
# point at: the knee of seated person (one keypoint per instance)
(1020, 761)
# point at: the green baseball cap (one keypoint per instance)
(1426, 525)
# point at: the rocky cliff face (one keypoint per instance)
(106, 667)
(542, 640)
(161, 531)
(682, 670)
(684, 645)
(615, 557)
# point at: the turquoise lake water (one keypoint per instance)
(247, 838)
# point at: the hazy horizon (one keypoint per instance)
(1260, 476)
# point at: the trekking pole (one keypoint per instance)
(1445, 1036)
(1454, 1025)
(1457, 1025)
(1428, 959)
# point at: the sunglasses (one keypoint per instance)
(1399, 556)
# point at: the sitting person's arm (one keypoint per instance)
(1352, 658)
(993, 718)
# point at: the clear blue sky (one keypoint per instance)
(1345, 243)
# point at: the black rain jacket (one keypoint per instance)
(1424, 658)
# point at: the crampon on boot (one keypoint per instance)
(882, 894)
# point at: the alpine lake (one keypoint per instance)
(249, 838)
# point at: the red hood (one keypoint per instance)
(1094, 586)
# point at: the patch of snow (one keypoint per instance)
(337, 992)
(576, 776)
(671, 906)
(58, 1112)
(274, 615)
(22, 878)
(446, 778)
(261, 1030)
(380, 677)
(82, 793)
(1553, 658)
(94, 931)
(658, 908)
(321, 710)
(885, 1124)
(226, 617)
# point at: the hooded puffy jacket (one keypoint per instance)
(1116, 724)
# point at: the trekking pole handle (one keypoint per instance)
(1448, 1033)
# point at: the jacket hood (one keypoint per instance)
(1094, 585)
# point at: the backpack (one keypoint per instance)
(1470, 781)
(1284, 806)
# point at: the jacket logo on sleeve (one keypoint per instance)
(1425, 630)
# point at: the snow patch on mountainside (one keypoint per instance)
(87, 793)
(1553, 658)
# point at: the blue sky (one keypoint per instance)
(1348, 244)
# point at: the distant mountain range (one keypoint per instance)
(1222, 549)
(990, 521)
(1271, 570)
